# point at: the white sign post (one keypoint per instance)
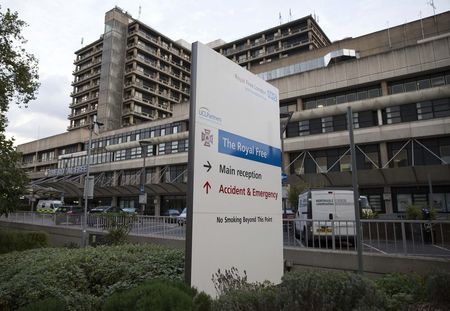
(234, 196)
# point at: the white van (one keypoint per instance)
(48, 206)
(323, 213)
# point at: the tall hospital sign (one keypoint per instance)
(234, 197)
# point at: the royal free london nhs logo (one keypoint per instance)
(207, 138)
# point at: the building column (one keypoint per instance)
(383, 154)
(380, 117)
(157, 202)
(384, 88)
(114, 201)
(157, 179)
(299, 104)
(387, 197)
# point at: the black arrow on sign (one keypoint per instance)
(208, 166)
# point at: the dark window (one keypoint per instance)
(411, 86)
(340, 122)
(408, 112)
(423, 84)
(351, 97)
(402, 156)
(441, 108)
(373, 93)
(292, 129)
(397, 88)
(437, 81)
(315, 126)
(341, 99)
(362, 95)
(367, 119)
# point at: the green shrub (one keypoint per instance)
(401, 290)
(49, 304)
(312, 290)
(202, 302)
(11, 240)
(437, 288)
(152, 295)
(82, 277)
(258, 297)
(118, 227)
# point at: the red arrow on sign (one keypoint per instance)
(207, 186)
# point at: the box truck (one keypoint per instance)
(324, 213)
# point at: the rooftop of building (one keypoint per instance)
(285, 25)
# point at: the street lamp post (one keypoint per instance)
(87, 181)
(355, 190)
(143, 181)
(286, 116)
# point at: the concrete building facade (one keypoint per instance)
(397, 82)
(132, 74)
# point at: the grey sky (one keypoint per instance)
(57, 26)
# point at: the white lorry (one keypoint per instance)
(325, 213)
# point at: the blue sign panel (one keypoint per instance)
(245, 148)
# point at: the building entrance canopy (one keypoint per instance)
(73, 187)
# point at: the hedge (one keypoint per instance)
(82, 278)
(11, 240)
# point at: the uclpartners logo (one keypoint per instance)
(204, 113)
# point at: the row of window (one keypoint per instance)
(431, 151)
(127, 154)
(421, 152)
(167, 174)
(403, 197)
(342, 97)
(154, 131)
(334, 160)
(417, 111)
(396, 114)
(419, 83)
(331, 124)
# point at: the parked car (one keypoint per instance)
(48, 206)
(69, 214)
(170, 215)
(288, 213)
(181, 219)
(96, 217)
(129, 210)
(106, 209)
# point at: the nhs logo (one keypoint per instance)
(272, 96)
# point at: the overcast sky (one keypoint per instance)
(56, 28)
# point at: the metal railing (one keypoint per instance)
(159, 226)
(399, 237)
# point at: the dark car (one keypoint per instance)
(288, 213)
(69, 214)
(171, 215)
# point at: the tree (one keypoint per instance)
(18, 85)
(294, 191)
